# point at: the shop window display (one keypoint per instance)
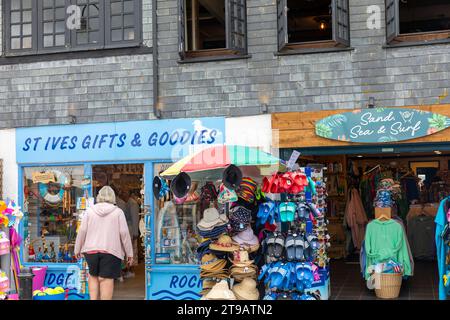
(176, 236)
(52, 196)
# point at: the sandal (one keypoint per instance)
(290, 247)
(274, 184)
(279, 246)
(270, 242)
(299, 247)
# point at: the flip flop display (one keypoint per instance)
(296, 258)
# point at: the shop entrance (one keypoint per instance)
(424, 181)
(127, 181)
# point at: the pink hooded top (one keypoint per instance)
(104, 228)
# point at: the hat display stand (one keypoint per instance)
(295, 236)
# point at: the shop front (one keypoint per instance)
(61, 169)
(409, 148)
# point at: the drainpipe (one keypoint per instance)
(156, 110)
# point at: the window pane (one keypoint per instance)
(116, 35)
(60, 13)
(48, 3)
(128, 6)
(60, 3)
(15, 17)
(26, 29)
(309, 21)
(175, 230)
(116, 7)
(60, 39)
(424, 16)
(15, 4)
(93, 37)
(26, 4)
(15, 43)
(82, 38)
(48, 27)
(50, 215)
(94, 23)
(93, 10)
(26, 42)
(26, 16)
(212, 30)
(60, 26)
(15, 30)
(129, 34)
(128, 20)
(116, 22)
(48, 14)
(48, 41)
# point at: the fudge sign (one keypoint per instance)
(381, 125)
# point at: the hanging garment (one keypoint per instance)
(409, 184)
(441, 247)
(386, 240)
(355, 217)
(421, 233)
(411, 258)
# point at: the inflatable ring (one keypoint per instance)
(54, 199)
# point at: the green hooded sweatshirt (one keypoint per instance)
(386, 240)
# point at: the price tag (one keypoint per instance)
(293, 159)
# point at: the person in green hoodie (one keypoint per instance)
(386, 240)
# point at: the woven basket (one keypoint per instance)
(390, 284)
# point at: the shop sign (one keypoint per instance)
(43, 177)
(381, 125)
(175, 286)
(133, 140)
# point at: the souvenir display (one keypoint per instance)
(296, 237)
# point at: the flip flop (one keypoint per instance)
(274, 184)
(277, 276)
(279, 246)
(270, 242)
(299, 247)
(290, 247)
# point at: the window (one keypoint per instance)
(212, 28)
(42, 26)
(417, 20)
(51, 198)
(175, 228)
(312, 24)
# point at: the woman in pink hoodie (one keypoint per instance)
(104, 241)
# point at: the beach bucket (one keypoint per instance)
(39, 277)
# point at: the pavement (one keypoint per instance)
(132, 288)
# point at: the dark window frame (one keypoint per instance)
(236, 34)
(394, 38)
(70, 35)
(341, 31)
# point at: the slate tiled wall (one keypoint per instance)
(114, 88)
(344, 80)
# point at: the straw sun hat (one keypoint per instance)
(225, 244)
(246, 290)
(212, 218)
(220, 291)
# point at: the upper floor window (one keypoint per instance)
(312, 24)
(42, 26)
(212, 28)
(417, 20)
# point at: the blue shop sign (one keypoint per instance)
(134, 140)
(381, 125)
